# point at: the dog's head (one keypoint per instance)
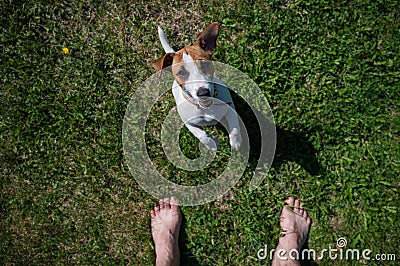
(191, 66)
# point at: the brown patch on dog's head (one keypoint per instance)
(200, 52)
(201, 59)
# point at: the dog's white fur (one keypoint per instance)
(197, 110)
(164, 41)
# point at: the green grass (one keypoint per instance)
(330, 71)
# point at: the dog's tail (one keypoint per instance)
(164, 41)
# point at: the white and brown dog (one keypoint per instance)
(201, 98)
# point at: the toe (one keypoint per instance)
(289, 201)
(297, 206)
(305, 214)
(174, 203)
(301, 210)
(153, 214)
(161, 203)
(297, 203)
(166, 203)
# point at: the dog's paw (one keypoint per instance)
(235, 139)
(210, 143)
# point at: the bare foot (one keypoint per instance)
(295, 224)
(165, 223)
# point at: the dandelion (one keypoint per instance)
(65, 50)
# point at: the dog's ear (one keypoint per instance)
(164, 61)
(207, 40)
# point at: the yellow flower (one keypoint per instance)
(65, 50)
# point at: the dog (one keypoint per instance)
(201, 98)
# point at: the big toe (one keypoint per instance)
(290, 201)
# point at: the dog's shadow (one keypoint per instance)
(291, 146)
(296, 147)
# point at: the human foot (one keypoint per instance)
(295, 224)
(165, 223)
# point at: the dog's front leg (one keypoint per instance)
(235, 138)
(208, 141)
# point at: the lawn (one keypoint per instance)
(330, 71)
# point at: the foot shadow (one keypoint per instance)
(187, 257)
(309, 261)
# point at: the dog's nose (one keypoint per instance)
(202, 92)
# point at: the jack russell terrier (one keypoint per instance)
(201, 98)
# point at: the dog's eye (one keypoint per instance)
(206, 67)
(204, 64)
(182, 73)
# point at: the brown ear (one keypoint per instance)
(164, 61)
(207, 40)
